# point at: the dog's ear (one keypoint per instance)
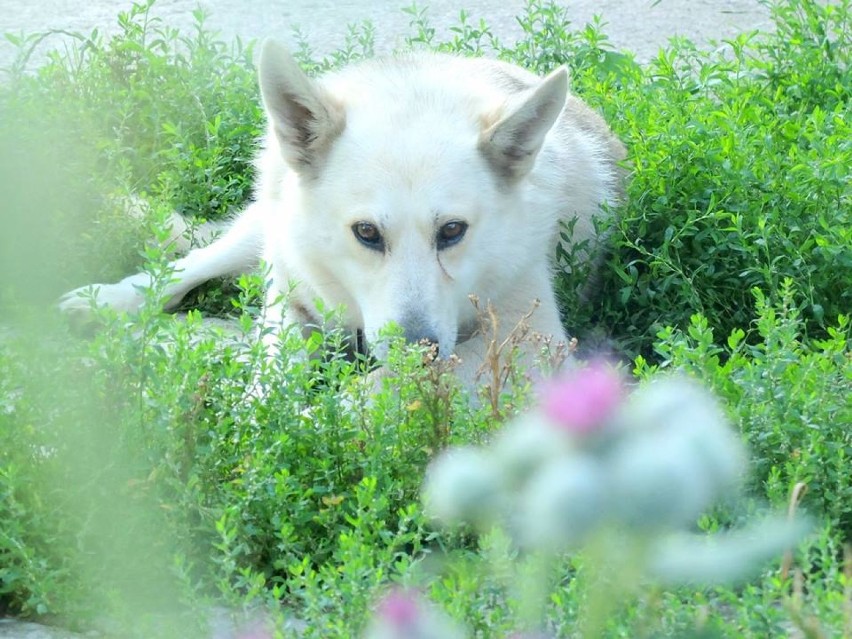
(305, 118)
(512, 143)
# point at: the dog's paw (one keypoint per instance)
(122, 296)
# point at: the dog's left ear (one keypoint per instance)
(306, 119)
(513, 142)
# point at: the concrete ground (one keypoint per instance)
(14, 629)
(641, 26)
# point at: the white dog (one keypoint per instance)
(398, 188)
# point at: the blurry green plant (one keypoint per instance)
(300, 509)
(789, 396)
(148, 111)
(615, 479)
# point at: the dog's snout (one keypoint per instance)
(417, 331)
(417, 337)
(430, 342)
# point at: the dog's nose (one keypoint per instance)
(416, 331)
(431, 343)
(426, 339)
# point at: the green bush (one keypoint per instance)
(739, 180)
(142, 482)
(148, 111)
(789, 396)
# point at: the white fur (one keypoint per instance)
(408, 145)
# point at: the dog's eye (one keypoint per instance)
(451, 233)
(368, 234)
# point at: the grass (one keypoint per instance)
(141, 487)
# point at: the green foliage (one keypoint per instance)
(738, 181)
(147, 111)
(357, 45)
(790, 398)
(32, 568)
(141, 469)
(246, 492)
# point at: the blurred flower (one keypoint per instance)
(724, 558)
(399, 609)
(581, 401)
(463, 485)
(590, 465)
(525, 445)
(698, 416)
(563, 503)
(657, 483)
(679, 456)
(402, 615)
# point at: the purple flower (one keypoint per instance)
(403, 615)
(399, 609)
(581, 401)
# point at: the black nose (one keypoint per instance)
(416, 331)
(425, 339)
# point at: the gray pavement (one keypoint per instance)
(641, 26)
(14, 629)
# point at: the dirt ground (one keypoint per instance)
(641, 26)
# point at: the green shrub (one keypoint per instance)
(147, 111)
(789, 396)
(738, 182)
(139, 471)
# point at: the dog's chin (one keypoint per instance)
(379, 352)
(379, 348)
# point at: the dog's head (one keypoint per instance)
(410, 189)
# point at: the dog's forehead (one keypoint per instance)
(413, 125)
(414, 95)
(432, 160)
(411, 140)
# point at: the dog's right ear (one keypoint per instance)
(305, 118)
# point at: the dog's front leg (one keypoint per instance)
(237, 250)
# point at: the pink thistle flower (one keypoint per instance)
(403, 614)
(581, 401)
(399, 609)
